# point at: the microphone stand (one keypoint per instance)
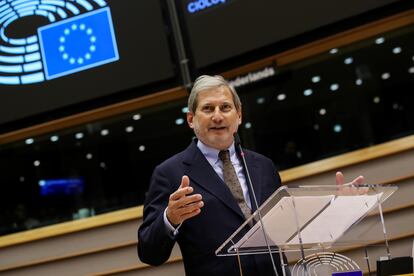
(237, 144)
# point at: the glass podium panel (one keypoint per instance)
(298, 218)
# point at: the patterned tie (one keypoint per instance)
(232, 181)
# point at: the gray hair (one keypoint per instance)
(206, 82)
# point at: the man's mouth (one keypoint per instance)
(217, 128)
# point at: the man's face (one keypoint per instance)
(216, 118)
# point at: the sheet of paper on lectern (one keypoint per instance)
(338, 217)
(280, 222)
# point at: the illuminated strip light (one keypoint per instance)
(31, 67)
(24, 5)
(47, 8)
(21, 56)
(27, 13)
(31, 39)
(11, 59)
(72, 8)
(9, 80)
(62, 13)
(54, 2)
(32, 78)
(11, 68)
(32, 57)
(101, 3)
(9, 13)
(85, 4)
(18, 2)
(12, 50)
(32, 48)
(14, 41)
(199, 5)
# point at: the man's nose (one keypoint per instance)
(217, 115)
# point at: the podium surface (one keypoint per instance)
(298, 218)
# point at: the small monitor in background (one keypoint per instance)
(61, 187)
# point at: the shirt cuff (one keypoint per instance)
(169, 226)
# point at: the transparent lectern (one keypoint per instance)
(309, 219)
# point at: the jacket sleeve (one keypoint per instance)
(155, 242)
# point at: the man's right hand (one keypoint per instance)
(181, 205)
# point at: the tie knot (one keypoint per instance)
(224, 155)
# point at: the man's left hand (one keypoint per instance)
(340, 179)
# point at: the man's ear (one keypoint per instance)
(190, 118)
(239, 113)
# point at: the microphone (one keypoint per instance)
(239, 149)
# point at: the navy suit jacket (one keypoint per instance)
(201, 235)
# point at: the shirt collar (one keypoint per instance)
(211, 154)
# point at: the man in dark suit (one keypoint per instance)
(190, 200)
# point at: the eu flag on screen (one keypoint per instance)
(78, 43)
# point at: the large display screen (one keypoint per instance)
(58, 53)
(221, 29)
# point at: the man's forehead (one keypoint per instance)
(216, 95)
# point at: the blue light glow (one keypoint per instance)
(64, 186)
(199, 5)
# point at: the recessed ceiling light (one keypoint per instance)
(385, 76)
(136, 117)
(89, 156)
(129, 129)
(248, 125)
(36, 163)
(358, 82)
(397, 50)
(333, 51)
(141, 148)
(322, 111)
(337, 128)
(379, 40)
(348, 60)
(54, 138)
(308, 92)
(184, 110)
(79, 135)
(104, 132)
(376, 100)
(334, 87)
(179, 121)
(316, 79)
(281, 97)
(411, 70)
(260, 100)
(29, 141)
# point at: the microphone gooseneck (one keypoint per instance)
(239, 149)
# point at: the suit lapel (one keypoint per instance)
(202, 174)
